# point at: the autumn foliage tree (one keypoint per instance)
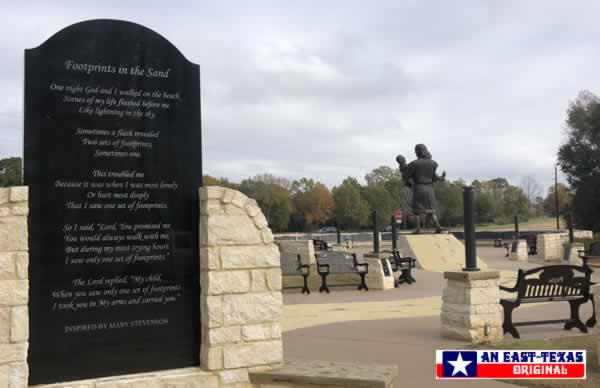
(313, 204)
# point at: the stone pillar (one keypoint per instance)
(549, 246)
(376, 279)
(14, 287)
(241, 301)
(470, 306)
(304, 248)
(520, 252)
(571, 253)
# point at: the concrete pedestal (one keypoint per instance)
(470, 306)
(518, 251)
(571, 253)
(338, 247)
(376, 278)
(435, 252)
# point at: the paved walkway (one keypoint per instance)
(400, 326)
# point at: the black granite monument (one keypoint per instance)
(113, 161)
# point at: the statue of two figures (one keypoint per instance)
(419, 175)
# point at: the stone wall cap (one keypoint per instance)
(328, 373)
(380, 255)
(471, 275)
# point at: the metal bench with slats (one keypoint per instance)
(292, 265)
(404, 265)
(554, 283)
(331, 262)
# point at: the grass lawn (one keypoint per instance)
(580, 342)
(545, 223)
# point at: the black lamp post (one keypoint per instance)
(556, 196)
(469, 217)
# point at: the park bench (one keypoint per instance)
(291, 265)
(329, 262)
(554, 283)
(591, 256)
(531, 244)
(404, 265)
(321, 245)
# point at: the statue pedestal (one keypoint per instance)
(435, 252)
(380, 276)
(518, 250)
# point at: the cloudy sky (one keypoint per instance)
(328, 89)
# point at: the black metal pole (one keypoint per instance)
(556, 197)
(469, 217)
(375, 233)
(517, 227)
(394, 233)
(338, 232)
(571, 232)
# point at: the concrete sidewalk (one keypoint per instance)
(400, 326)
(409, 343)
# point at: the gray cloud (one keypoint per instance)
(331, 89)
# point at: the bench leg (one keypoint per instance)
(324, 283)
(592, 321)
(305, 286)
(507, 325)
(409, 276)
(575, 321)
(363, 285)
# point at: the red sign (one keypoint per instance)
(398, 215)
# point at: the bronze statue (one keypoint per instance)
(420, 174)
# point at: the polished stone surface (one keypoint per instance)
(112, 154)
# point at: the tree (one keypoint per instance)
(586, 204)
(10, 172)
(449, 202)
(564, 200)
(484, 207)
(579, 158)
(313, 204)
(351, 210)
(532, 190)
(514, 203)
(208, 180)
(274, 200)
(380, 200)
(381, 175)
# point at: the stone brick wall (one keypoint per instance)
(550, 245)
(241, 286)
(304, 248)
(14, 287)
(241, 297)
(470, 302)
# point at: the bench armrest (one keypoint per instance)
(509, 289)
(365, 265)
(320, 267)
(304, 267)
(581, 253)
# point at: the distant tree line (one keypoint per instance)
(306, 204)
(10, 172)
